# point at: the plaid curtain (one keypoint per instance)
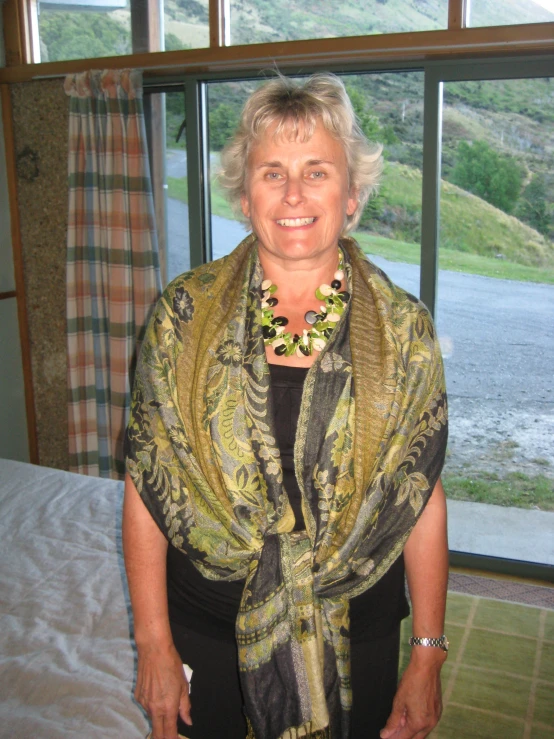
(113, 275)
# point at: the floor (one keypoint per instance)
(498, 681)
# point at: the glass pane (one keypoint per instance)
(186, 24)
(74, 30)
(177, 233)
(390, 109)
(168, 162)
(494, 13)
(255, 21)
(496, 312)
(85, 29)
(225, 102)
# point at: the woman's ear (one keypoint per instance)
(352, 203)
(245, 205)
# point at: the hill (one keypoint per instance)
(467, 223)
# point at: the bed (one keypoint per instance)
(66, 655)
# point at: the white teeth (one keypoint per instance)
(295, 222)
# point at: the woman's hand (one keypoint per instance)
(417, 705)
(162, 690)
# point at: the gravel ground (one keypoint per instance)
(498, 346)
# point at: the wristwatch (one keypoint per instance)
(425, 641)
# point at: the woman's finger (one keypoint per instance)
(185, 706)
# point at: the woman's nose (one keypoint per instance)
(294, 191)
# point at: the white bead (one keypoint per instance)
(323, 308)
(326, 290)
(266, 284)
(339, 275)
(319, 344)
(333, 317)
(298, 352)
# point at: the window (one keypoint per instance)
(85, 29)
(257, 21)
(390, 109)
(496, 302)
(494, 13)
(166, 130)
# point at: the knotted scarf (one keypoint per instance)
(370, 445)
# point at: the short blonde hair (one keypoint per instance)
(297, 107)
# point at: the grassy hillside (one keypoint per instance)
(467, 223)
(256, 21)
(473, 233)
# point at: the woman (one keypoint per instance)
(287, 434)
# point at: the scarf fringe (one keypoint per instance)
(294, 732)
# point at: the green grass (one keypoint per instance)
(457, 261)
(467, 223)
(178, 188)
(401, 251)
(514, 489)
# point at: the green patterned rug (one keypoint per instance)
(498, 681)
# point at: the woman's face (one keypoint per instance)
(297, 195)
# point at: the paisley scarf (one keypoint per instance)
(370, 446)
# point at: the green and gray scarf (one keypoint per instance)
(370, 446)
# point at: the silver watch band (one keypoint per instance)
(425, 641)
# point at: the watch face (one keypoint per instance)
(446, 643)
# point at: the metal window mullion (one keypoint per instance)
(196, 113)
(430, 207)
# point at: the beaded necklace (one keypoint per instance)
(322, 323)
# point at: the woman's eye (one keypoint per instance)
(273, 175)
(317, 175)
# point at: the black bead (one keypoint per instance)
(272, 302)
(327, 332)
(296, 338)
(304, 349)
(336, 284)
(268, 332)
(345, 296)
(280, 321)
(280, 350)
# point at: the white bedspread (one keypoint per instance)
(66, 657)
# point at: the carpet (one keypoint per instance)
(498, 681)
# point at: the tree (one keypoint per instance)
(223, 121)
(532, 207)
(494, 177)
(368, 123)
(81, 35)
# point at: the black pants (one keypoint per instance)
(217, 701)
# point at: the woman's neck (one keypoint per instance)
(297, 281)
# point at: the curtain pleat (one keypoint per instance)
(113, 274)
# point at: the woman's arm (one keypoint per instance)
(161, 685)
(417, 705)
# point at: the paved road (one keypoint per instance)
(498, 344)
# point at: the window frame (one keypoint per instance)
(22, 48)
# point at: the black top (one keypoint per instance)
(210, 606)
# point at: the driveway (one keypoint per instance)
(497, 338)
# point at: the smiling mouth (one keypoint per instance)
(295, 222)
